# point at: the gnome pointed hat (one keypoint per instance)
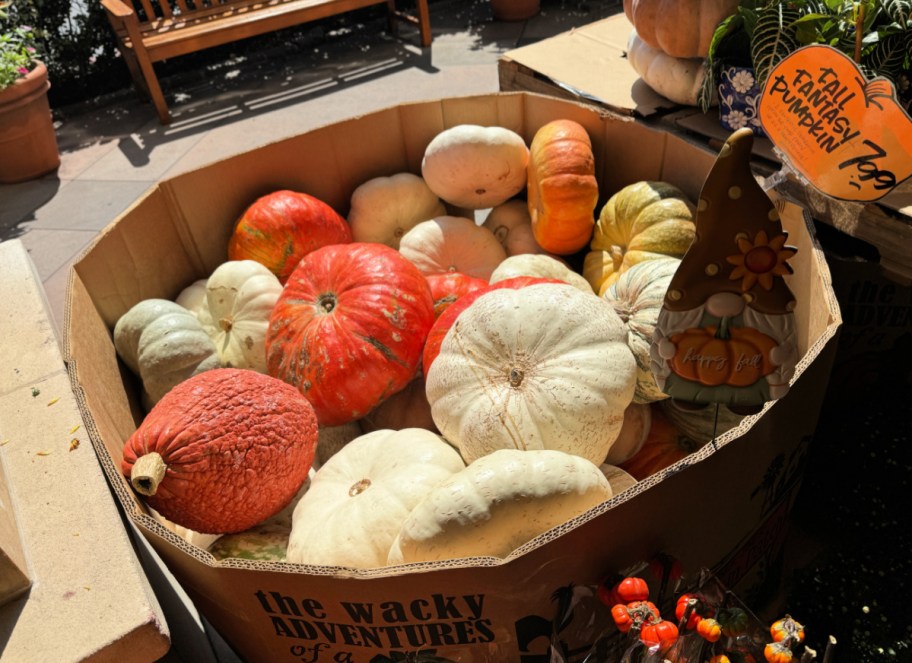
(740, 243)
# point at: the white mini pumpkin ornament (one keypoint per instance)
(476, 167)
(497, 504)
(543, 367)
(234, 308)
(360, 497)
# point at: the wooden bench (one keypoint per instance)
(149, 31)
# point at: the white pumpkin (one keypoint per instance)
(634, 431)
(542, 367)
(452, 244)
(476, 167)
(164, 344)
(497, 504)
(512, 226)
(239, 298)
(383, 209)
(539, 264)
(638, 296)
(360, 497)
(676, 79)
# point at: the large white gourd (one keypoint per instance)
(360, 497)
(543, 367)
(499, 503)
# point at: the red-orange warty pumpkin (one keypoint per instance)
(447, 288)
(349, 327)
(282, 227)
(223, 450)
(562, 188)
(442, 324)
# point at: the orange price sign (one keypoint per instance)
(846, 135)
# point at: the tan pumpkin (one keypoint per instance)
(638, 296)
(497, 504)
(540, 265)
(677, 79)
(541, 367)
(643, 221)
(383, 209)
(634, 431)
(512, 226)
(681, 28)
(360, 497)
(475, 167)
(452, 244)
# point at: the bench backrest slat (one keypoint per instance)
(155, 10)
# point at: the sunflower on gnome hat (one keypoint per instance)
(726, 331)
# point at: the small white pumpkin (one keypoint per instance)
(497, 504)
(542, 367)
(676, 79)
(476, 167)
(512, 226)
(539, 264)
(360, 497)
(239, 298)
(383, 209)
(634, 431)
(164, 344)
(452, 244)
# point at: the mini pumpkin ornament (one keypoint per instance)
(280, 228)
(540, 367)
(383, 209)
(223, 450)
(726, 332)
(349, 327)
(562, 189)
(475, 167)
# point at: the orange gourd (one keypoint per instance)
(562, 189)
(664, 446)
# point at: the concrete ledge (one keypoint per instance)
(89, 599)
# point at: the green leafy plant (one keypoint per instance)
(877, 34)
(18, 50)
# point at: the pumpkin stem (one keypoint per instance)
(225, 324)
(724, 331)
(147, 473)
(516, 377)
(327, 302)
(359, 487)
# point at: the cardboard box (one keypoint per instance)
(466, 610)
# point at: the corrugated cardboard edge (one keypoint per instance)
(450, 109)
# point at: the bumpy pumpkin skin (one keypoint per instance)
(562, 189)
(237, 446)
(349, 328)
(681, 28)
(540, 367)
(642, 221)
(280, 228)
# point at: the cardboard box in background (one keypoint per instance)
(466, 610)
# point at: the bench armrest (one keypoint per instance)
(117, 8)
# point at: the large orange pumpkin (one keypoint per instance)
(280, 228)
(349, 327)
(562, 189)
(664, 446)
(681, 28)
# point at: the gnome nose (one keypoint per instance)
(724, 304)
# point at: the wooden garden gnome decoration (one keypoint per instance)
(726, 331)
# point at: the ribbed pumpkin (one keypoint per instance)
(682, 28)
(637, 297)
(562, 189)
(677, 79)
(452, 244)
(664, 446)
(223, 450)
(642, 221)
(442, 324)
(349, 327)
(383, 209)
(280, 228)
(539, 265)
(512, 226)
(540, 367)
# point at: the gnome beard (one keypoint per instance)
(724, 351)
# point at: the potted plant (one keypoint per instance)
(877, 34)
(28, 141)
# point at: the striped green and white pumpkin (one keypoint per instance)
(637, 297)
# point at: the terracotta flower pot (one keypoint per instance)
(515, 10)
(28, 142)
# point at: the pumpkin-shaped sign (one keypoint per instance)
(738, 359)
(349, 328)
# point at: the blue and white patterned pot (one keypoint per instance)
(739, 99)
